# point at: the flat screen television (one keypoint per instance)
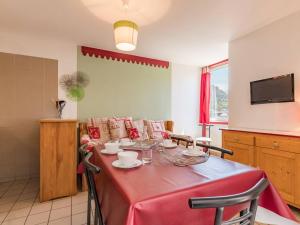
(271, 90)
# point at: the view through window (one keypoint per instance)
(219, 94)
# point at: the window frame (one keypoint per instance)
(212, 67)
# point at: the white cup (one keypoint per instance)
(124, 141)
(167, 142)
(128, 157)
(111, 147)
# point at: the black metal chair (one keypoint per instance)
(186, 141)
(223, 151)
(90, 170)
(247, 216)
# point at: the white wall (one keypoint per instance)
(271, 51)
(65, 52)
(185, 99)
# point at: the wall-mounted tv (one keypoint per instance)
(271, 90)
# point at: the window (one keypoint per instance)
(219, 93)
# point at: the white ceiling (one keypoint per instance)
(183, 31)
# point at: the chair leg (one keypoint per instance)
(96, 219)
(89, 209)
(243, 212)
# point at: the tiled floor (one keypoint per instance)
(19, 205)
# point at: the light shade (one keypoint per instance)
(126, 33)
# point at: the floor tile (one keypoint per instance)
(61, 221)
(19, 221)
(22, 204)
(2, 216)
(6, 207)
(61, 203)
(29, 190)
(10, 199)
(60, 213)
(79, 198)
(25, 196)
(41, 207)
(79, 208)
(23, 181)
(17, 186)
(17, 214)
(37, 218)
(10, 194)
(79, 219)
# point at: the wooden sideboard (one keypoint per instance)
(58, 158)
(277, 154)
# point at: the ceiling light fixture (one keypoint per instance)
(126, 32)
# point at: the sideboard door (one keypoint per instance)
(280, 168)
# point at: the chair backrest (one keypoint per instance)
(246, 217)
(90, 171)
(223, 151)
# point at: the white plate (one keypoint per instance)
(126, 144)
(118, 164)
(105, 151)
(193, 153)
(173, 145)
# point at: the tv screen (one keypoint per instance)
(271, 90)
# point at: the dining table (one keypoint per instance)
(158, 193)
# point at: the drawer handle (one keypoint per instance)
(275, 144)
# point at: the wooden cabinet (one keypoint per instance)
(58, 158)
(242, 146)
(277, 155)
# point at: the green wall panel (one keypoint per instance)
(124, 89)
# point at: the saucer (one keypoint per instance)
(193, 153)
(118, 164)
(173, 145)
(105, 151)
(126, 144)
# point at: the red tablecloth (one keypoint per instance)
(157, 194)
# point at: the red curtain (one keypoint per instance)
(204, 99)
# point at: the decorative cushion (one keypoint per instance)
(94, 132)
(155, 129)
(140, 126)
(165, 135)
(102, 125)
(133, 133)
(117, 127)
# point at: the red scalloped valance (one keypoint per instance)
(123, 57)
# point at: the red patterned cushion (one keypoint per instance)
(94, 132)
(140, 126)
(155, 128)
(102, 124)
(133, 133)
(165, 135)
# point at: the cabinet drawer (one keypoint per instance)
(241, 153)
(278, 142)
(238, 137)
